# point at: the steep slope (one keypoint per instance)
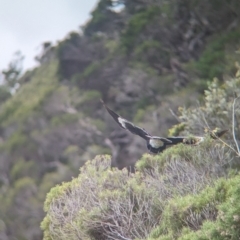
(186, 192)
(143, 60)
(44, 141)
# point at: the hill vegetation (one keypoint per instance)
(186, 192)
(142, 58)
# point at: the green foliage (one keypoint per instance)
(199, 156)
(90, 69)
(151, 51)
(19, 208)
(43, 145)
(100, 125)
(24, 157)
(139, 115)
(4, 94)
(143, 65)
(144, 102)
(178, 128)
(46, 183)
(212, 62)
(94, 212)
(72, 39)
(16, 140)
(99, 17)
(215, 112)
(22, 168)
(64, 119)
(90, 95)
(212, 214)
(87, 99)
(20, 188)
(12, 74)
(146, 46)
(24, 183)
(17, 109)
(142, 197)
(111, 45)
(71, 149)
(136, 25)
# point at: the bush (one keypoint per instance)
(104, 203)
(212, 62)
(136, 25)
(215, 112)
(36, 92)
(174, 195)
(212, 214)
(100, 202)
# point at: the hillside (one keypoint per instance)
(186, 192)
(143, 58)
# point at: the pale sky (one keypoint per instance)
(26, 24)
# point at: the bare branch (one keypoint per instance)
(233, 125)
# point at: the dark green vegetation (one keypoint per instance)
(184, 193)
(143, 60)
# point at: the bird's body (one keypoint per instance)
(155, 144)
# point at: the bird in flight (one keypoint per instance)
(156, 144)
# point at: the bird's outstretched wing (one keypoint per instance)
(190, 140)
(167, 141)
(123, 123)
(195, 140)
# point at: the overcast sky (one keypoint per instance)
(26, 24)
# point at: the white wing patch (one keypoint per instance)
(200, 139)
(122, 121)
(155, 143)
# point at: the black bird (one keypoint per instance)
(156, 144)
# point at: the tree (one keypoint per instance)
(14, 70)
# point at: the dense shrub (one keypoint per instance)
(136, 25)
(104, 203)
(44, 81)
(212, 214)
(215, 112)
(174, 195)
(212, 62)
(100, 203)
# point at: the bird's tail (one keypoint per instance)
(190, 140)
(195, 140)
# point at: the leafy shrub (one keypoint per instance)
(212, 62)
(16, 140)
(88, 100)
(215, 112)
(17, 109)
(151, 51)
(91, 69)
(63, 119)
(72, 39)
(107, 203)
(100, 17)
(212, 214)
(22, 168)
(115, 201)
(4, 94)
(136, 25)
(19, 207)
